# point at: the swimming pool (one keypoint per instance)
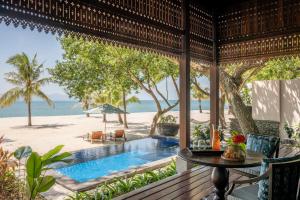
(94, 163)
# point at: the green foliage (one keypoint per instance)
(27, 82)
(289, 130)
(202, 132)
(170, 119)
(22, 152)
(281, 69)
(121, 186)
(246, 95)
(36, 168)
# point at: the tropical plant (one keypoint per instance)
(36, 168)
(27, 80)
(169, 119)
(19, 154)
(237, 139)
(121, 186)
(8, 182)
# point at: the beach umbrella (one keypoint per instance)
(105, 109)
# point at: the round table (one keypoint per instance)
(220, 173)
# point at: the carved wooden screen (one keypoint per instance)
(251, 30)
(148, 24)
(259, 30)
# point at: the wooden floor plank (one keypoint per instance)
(180, 187)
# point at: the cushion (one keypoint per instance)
(96, 135)
(264, 144)
(119, 133)
(244, 193)
(264, 184)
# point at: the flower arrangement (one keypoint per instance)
(236, 149)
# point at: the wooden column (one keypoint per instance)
(214, 79)
(184, 78)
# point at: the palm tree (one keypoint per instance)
(27, 82)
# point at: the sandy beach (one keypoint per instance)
(49, 131)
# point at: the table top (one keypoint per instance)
(253, 159)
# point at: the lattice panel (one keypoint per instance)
(76, 16)
(261, 48)
(258, 19)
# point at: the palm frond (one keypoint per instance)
(10, 97)
(42, 95)
(133, 99)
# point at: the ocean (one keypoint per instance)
(40, 108)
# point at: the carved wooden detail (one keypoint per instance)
(247, 30)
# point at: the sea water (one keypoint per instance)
(40, 108)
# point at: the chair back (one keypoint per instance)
(284, 180)
(97, 135)
(265, 144)
(119, 133)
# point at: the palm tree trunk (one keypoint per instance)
(222, 114)
(125, 110)
(200, 106)
(120, 118)
(29, 113)
(104, 117)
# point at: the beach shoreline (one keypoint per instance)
(50, 131)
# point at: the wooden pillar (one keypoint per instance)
(184, 78)
(214, 79)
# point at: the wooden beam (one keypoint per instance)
(214, 79)
(184, 77)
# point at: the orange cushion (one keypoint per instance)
(119, 133)
(97, 135)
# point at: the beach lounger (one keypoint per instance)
(119, 134)
(96, 136)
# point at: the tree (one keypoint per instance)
(147, 70)
(77, 73)
(197, 91)
(27, 80)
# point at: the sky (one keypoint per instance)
(47, 47)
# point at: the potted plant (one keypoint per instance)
(167, 126)
(236, 147)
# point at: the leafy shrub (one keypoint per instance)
(8, 182)
(202, 132)
(168, 119)
(121, 186)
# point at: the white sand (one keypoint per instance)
(47, 132)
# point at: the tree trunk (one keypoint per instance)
(221, 112)
(154, 122)
(120, 118)
(200, 106)
(243, 115)
(125, 110)
(29, 113)
(104, 118)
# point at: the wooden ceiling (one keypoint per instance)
(247, 30)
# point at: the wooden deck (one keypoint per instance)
(194, 184)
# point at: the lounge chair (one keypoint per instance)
(96, 136)
(279, 179)
(119, 134)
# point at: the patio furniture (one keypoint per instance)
(119, 134)
(279, 179)
(96, 136)
(266, 144)
(220, 173)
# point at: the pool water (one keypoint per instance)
(94, 163)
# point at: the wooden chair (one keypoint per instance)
(279, 181)
(265, 144)
(119, 134)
